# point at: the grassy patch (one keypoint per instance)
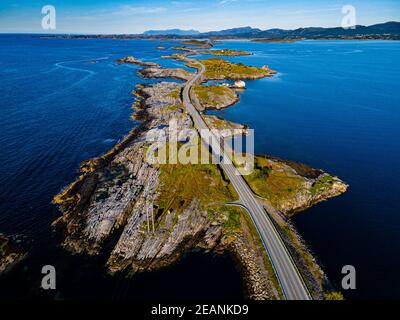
(214, 96)
(176, 94)
(333, 296)
(195, 42)
(180, 184)
(173, 108)
(271, 181)
(215, 122)
(227, 52)
(233, 223)
(323, 183)
(232, 216)
(217, 68)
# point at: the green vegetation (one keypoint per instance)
(227, 52)
(176, 56)
(215, 96)
(334, 295)
(303, 169)
(232, 215)
(215, 122)
(218, 69)
(174, 108)
(180, 184)
(270, 180)
(323, 183)
(176, 94)
(233, 223)
(194, 42)
(282, 182)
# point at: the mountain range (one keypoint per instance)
(177, 32)
(391, 28)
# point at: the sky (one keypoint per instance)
(132, 17)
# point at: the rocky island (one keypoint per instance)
(133, 60)
(220, 69)
(227, 52)
(144, 216)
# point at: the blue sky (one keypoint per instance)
(122, 16)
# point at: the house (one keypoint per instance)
(240, 84)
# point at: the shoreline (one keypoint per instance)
(111, 181)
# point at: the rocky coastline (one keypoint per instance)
(133, 60)
(144, 216)
(11, 252)
(158, 72)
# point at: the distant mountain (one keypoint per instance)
(170, 32)
(389, 28)
(232, 32)
(388, 31)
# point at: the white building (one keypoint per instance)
(240, 84)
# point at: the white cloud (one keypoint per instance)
(132, 10)
(226, 1)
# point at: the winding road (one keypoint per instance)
(290, 280)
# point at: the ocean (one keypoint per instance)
(62, 102)
(333, 105)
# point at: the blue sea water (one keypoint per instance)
(63, 102)
(333, 105)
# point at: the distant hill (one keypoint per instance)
(170, 32)
(388, 28)
(233, 32)
(384, 30)
(387, 31)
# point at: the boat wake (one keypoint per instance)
(65, 65)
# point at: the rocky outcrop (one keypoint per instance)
(146, 250)
(109, 193)
(213, 97)
(11, 252)
(115, 205)
(308, 186)
(226, 128)
(221, 69)
(186, 49)
(227, 52)
(133, 60)
(156, 72)
(199, 44)
(325, 187)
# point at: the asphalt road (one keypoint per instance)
(286, 271)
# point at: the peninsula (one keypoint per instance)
(144, 216)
